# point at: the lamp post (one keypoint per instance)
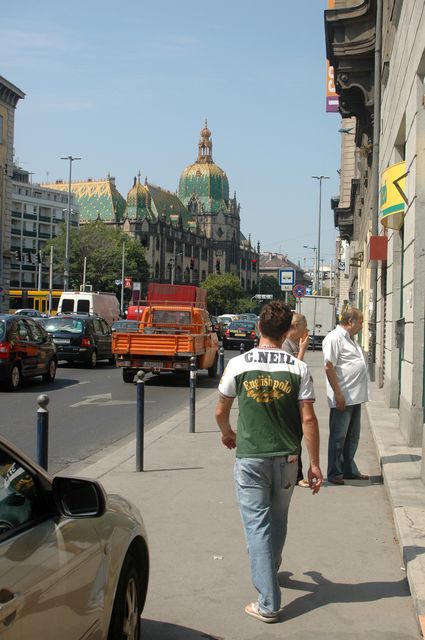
(306, 246)
(319, 178)
(68, 219)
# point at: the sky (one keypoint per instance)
(127, 87)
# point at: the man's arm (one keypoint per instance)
(222, 415)
(333, 381)
(311, 437)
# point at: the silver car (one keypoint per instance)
(74, 561)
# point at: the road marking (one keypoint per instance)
(104, 400)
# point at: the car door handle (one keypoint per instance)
(8, 609)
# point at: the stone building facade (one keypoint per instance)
(9, 97)
(379, 62)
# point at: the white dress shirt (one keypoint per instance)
(347, 358)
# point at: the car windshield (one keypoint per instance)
(243, 326)
(2, 329)
(172, 317)
(69, 325)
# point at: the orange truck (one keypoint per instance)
(174, 326)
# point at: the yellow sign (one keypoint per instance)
(392, 196)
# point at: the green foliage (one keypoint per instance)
(269, 284)
(224, 292)
(102, 246)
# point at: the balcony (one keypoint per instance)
(350, 49)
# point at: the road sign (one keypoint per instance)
(263, 296)
(299, 290)
(287, 277)
(286, 287)
(128, 282)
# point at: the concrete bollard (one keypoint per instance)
(43, 431)
(192, 394)
(140, 419)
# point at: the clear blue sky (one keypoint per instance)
(127, 86)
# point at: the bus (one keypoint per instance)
(37, 299)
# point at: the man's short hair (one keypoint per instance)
(275, 319)
(348, 315)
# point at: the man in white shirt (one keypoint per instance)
(347, 389)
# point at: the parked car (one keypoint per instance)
(125, 325)
(32, 313)
(240, 331)
(81, 338)
(26, 350)
(74, 560)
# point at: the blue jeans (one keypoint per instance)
(264, 488)
(344, 434)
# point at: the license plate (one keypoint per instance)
(154, 365)
(239, 335)
(61, 341)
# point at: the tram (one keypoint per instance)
(37, 299)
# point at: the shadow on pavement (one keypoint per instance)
(156, 630)
(322, 592)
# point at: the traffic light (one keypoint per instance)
(217, 266)
(192, 263)
(29, 257)
(254, 264)
(39, 257)
(18, 255)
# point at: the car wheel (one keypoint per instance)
(128, 375)
(92, 361)
(127, 609)
(14, 380)
(50, 374)
(212, 371)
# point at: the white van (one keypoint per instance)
(104, 305)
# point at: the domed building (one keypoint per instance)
(186, 235)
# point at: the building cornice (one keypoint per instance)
(9, 94)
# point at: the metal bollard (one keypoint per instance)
(43, 430)
(256, 342)
(192, 395)
(242, 348)
(221, 359)
(140, 418)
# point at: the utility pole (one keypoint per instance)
(319, 178)
(68, 220)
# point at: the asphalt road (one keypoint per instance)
(90, 409)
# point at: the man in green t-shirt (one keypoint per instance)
(275, 397)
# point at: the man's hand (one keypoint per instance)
(340, 401)
(229, 439)
(315, 478)
(303, 345)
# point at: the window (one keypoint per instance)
(20, 501)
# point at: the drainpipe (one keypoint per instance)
(375, 186)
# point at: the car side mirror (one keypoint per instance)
(79, 497)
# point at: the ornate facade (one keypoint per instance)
(186, 235)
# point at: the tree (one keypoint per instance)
(102, 246)
(269, 284)
(223, 292)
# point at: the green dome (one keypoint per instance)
(204, 180)
(138, 201)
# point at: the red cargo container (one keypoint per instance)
(177, 293)
(134, 312)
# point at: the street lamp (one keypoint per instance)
(306, 246)
(319, 178)
(68, 218)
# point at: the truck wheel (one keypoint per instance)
(127, 375)
(212, 371)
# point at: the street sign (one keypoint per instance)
(128, 282)
(286, 287)
(263, 296)
(287, 277)
(299, 290)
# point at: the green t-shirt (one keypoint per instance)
(269, 383)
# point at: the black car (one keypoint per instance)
(240, 331)
(26, 350)
(81, 338)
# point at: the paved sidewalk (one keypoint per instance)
(342, 574)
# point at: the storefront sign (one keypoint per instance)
(393, 197)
